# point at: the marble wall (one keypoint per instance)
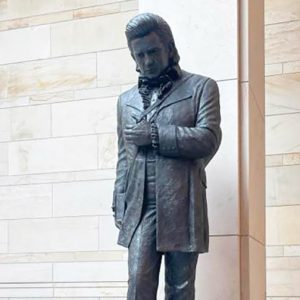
(58, 89)
(282, 32)
(59, 82)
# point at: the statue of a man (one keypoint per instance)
(168, 130)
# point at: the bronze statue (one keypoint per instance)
(168, 130)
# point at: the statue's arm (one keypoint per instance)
(201, 141)
(121, 171)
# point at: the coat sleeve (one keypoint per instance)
(202, 140)
(121, 170)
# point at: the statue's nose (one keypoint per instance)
(148, 60)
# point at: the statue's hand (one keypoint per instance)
(118, 223)
(139, 134)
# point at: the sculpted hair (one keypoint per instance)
(143, 24)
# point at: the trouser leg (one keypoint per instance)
(180, 271)
(143, 260)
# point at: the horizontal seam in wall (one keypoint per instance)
(62, 56)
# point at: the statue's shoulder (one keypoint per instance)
(129, 94)
(195, 79)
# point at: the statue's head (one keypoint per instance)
(151, 44)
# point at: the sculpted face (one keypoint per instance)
(150, 54)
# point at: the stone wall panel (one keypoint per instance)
(89, 35)
(53, 155)
(53, 235)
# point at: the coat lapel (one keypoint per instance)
(176, 94)
(173, 96)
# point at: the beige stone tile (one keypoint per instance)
(283, 298)
(277, 11)
(272, 251)
(25, 44)
(53, 155)
(51, 97)
(3, 8)
(292, 251)
(283, 277)
(58, 177)
(29, 272)
(3, 159)
(291, 67)
(274, 160)
(84, 117)
(89, 35)
(50, 18)
(4, 78)
(90, 271)
(18, 9)
(222, 191)
(101, 2)
(5, 125)
(273, 69)
(116, 298)
(52, 235)
(283, 225)
(96, 11)
(82, 198)
(30, 122)
(205, 46)
(291, 159)
(107, 151)
(13, 24)
(26, 292)
(36, 20)
(115, 68)
(54, 298)
(129, 5)
(104, 92)
(282, 185)
(31, 201)
(282, 43)
(47, 76)
(221, 264)
(282, 94)
(3, 236)
(90, 292)
(108, 234)
(64, 257)
(14, 102)
(282, 134)
(95, 284)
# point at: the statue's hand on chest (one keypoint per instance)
(139, 134)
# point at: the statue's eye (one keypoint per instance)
(153, 51)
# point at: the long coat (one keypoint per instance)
(188, 122)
